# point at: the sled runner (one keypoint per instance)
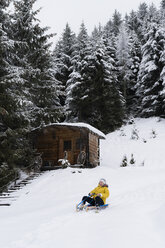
(96, 208)
(81, 206)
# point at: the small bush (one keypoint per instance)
(135, 135)
(124, 162)
(122, 132)
(153, 134)
(132, 161)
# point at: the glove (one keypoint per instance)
(100, 195)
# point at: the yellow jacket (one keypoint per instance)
(104, 191)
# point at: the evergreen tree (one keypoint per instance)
(75, 87)
(96, 98)
(162, 56)
(63, 54)
(123, 57)
(133, 22)
(82, 37)
(153, 14)
(12, 141)
(162, 12)
(41, 88)
(116, 22)
(6, 101)
(108, 29)
(81, 47)
(134, 47)
(142, 11)
(114, 102)
(151, 67)
(96, 34)
(142, 20)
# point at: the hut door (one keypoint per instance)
(66, 149)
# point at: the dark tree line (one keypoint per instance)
(103, 78)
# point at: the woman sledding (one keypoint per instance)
(97, 197)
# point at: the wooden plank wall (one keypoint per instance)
(93, 149)
(47, 144)
(50, 143)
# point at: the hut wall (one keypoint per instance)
(47, 144)
(50, 143)
(93, 149)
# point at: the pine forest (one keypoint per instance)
(104, 78)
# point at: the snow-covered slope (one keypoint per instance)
(145, 139)
(44, 214)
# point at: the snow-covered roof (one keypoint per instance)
(79, 125)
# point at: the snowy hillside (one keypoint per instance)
(44, 216)
(144, 139)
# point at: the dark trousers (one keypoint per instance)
(93, 202)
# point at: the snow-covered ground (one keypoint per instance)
(44, 216)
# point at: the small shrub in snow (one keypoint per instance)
(142, 164)
(122, 132)
(144, 140)
(131, 121)
(135, 135)
(124, 162)
(153, 134)
(132, 161)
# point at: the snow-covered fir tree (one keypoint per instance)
(96, 98)
(134, 24)
(116, 22)
(123, 57)
(96, 34)
(162, 57)
(114, 99)
(63, 54)
(14, 148)
(162, 12)
(153, 14)
(151, 67)
(142, 11)
(132, 21)
(142, 18)
(7, 103)
(134, 47)
(82, 49)
(41, 87)
(108, 28)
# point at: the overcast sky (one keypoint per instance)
(56, 13)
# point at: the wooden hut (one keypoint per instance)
(76, 142)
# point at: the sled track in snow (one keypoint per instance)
(7, 196)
